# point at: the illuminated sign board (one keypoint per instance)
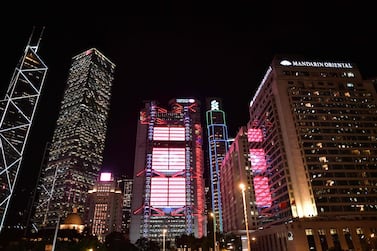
(316, 64)
(215, 105)
(185, 100)
(105, 177)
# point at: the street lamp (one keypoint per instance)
(163, 239)
(214, 231)
(56, 234)
(242, 186)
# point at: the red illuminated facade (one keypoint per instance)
(168, 187)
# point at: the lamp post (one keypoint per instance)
(214, 231)
(163, 239)
(56, 234)
(242, 186)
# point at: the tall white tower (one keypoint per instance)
(17, 112)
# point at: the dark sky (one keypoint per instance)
(163, 51)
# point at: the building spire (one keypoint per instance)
(31, 41)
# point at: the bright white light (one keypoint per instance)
(105, 177)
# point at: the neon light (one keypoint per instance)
(215, 105)
(254, 135)
(262, 192)
(168, 192)
(169, 133)
(258, 161)
(168, 159)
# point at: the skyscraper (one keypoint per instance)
(17, 111)
(218, 144)
(313, 151)
(168, 184)
(105, 201)
(78, 142)
(236, 170)
(125, 185)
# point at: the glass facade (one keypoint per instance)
(17, 111)
(76, 151)
(218, 145)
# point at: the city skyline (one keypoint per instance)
(161, 57)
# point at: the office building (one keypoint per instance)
(168, 184)
(125, 184)
(17, 110)
(76, 151)
(313, 151)
(104, 212)
(218, 144)
(236, 170)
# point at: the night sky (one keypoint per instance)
(186, 50)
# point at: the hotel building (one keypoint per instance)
(78, 142)
(313, 152)
(168, 184)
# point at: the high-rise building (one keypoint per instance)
(313, 151)
(218, 144)
(76, 151)
(17, 111)
(236, 170)
(168, 187)
(125, 185)
(105, 201)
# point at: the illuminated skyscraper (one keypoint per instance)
(105, 200)
(313, 151)
(125, 185)
(168, 188)
(76, 152)
(218, 144)
(17, 111)
(235, 170)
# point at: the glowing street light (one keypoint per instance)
(163, 239)
(242, 186)
(214, 231)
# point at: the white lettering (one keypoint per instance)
(322, 64)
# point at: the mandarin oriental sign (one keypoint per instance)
(316, 64)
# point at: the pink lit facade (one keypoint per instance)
(236, 169)
(259, 168)
(168, 184)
